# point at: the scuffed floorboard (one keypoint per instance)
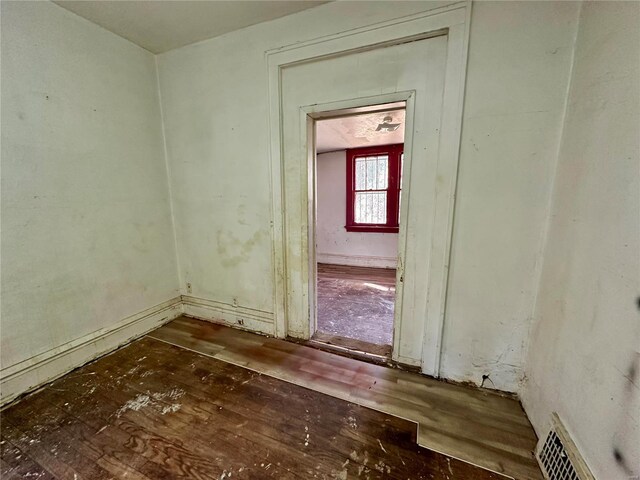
(478, 426)
(155, 411)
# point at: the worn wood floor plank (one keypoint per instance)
(15, 464)
(478, 426)
(156, 411)
(355, 307)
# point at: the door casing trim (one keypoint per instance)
(455, 20)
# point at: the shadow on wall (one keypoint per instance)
(629, 404)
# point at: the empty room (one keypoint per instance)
(358, 180)
(320, 240)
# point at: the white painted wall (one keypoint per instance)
(86, 221)
(87, 236)
(216, 118)
(216, 124)
(584, 355)
(333, 243)
(518, 71)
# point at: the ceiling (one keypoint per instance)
(358, 131)
(159, 25)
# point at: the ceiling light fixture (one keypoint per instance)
(387, 126)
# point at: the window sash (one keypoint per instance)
(361, 158)
(370, 207)
(371, 178)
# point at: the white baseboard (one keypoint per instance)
(36, 371)
(412, 362)
(227, 314)
(357, 260)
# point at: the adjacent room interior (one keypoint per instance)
(358, 197)
(320, 239)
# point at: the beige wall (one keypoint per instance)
(584, 356)
(87, 234)
(87, 238)
(216, 118)
(517, 77)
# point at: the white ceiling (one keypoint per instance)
(160, 25)
(357, 131)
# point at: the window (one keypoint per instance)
(374, 180)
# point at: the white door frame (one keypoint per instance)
(454, 19)
(309, 114)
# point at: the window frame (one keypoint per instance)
(394, 152)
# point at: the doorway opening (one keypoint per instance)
(358, 185)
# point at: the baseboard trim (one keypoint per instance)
(251, 319)
(407, 361)
(38, 370)
(357, 260)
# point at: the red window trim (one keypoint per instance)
(393, 188)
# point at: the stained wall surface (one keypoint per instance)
(87, 236)
(584, 356)
(214, 97)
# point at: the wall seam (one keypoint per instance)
(168, 171)
(544, 238)
(87, 21)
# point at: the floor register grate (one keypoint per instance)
(558, 456)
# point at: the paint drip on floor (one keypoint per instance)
(155, 400)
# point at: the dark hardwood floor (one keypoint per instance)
(156, 411)
(480, 426)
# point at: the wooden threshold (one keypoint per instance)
(359, 348)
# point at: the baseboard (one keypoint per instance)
(357, 260)
(227, 314)
(410, 362)
(40, 369)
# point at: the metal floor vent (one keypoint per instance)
(558, 456)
